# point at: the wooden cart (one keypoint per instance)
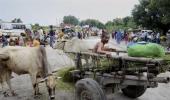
(101, 74)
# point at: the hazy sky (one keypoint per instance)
(52, 11)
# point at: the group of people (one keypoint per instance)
(19, 41)
(137, 36)
(128, 37)
(80, 34)
(30, 38)
(39, 37)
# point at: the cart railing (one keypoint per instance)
(118, 57)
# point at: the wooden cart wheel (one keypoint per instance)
(88, 89)
(134, 91)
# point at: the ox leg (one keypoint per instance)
(10, 87)
(1, 83)
(51, 93)
(8, 77)
(50, 83)
(2, 90)
(35, 84)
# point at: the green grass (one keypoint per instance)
(61, 85)
(167, 57)
(65, 83)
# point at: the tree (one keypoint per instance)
(100, 25)
(70, 20)
(93, 23)
(17, 20)
(120, 23)
(109, 23)
(161, 13)
(129, 22)
(126, 20)
(36, 26)
(153, 14)
(109, 26)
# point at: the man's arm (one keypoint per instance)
(110, 49)
(99, 49)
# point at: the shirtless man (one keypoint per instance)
(99, 47)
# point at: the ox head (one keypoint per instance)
(60, 44)
(67, 45)
(51, 84)
(73, 45)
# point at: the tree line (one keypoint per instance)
(115, 24)
(148, 14)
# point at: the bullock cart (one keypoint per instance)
(108, 74)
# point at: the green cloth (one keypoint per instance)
(146, 50)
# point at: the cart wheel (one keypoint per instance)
(88, 89)
(133, 91)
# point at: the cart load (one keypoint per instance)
(146, 50)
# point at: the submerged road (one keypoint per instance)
(57, 59)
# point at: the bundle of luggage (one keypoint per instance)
(143, 49)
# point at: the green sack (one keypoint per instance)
(146, 50)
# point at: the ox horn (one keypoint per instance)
(4, 56)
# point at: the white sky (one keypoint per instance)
(52, 11)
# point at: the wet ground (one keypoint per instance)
(22, 84)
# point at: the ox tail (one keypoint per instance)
(45, 64)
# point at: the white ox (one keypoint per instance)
(76, 45)
(73, 45)
(26, 60)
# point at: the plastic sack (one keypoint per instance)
(146, 50)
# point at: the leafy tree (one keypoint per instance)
(129, 22)
(153, 14)
(120, 23)
(100, 25)
(17, 20)
(36, 26)
(126, 20)
(93, 23)
(109, 26)
(70, 20)
(109, 23)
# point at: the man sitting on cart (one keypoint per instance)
(100, 46)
